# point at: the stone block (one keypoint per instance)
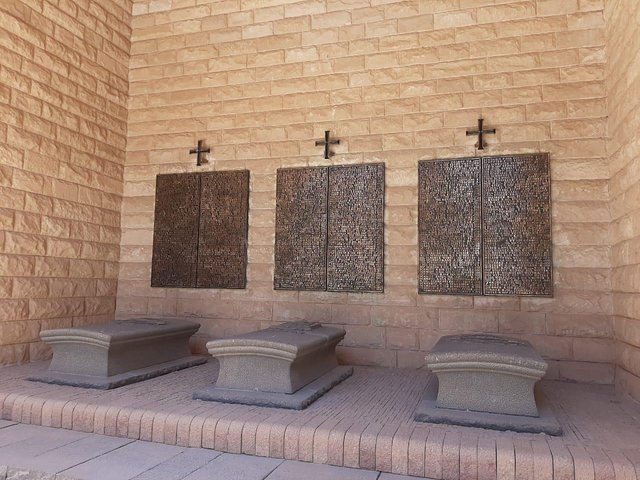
(485, 381)
(118, 353)
(287, 366)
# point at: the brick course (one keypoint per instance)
(96, 98)
(63, 110)
(623, 147)
(397, 82)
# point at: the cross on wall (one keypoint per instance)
(199, 150)
(480, 132)
(326, 142)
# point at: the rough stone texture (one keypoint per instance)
(118, 353)
(396, 81)
(623, 146)
(486, 373)
(63, 111)
(430, 411)
(289, 365)
(601, 430)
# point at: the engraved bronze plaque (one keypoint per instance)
(355, 245)
(222, 242)
(301, 229)
(484, 226)
(517, 225)
(175, 232)
(449, 227)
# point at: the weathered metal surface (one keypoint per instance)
(175, 231)
(301, 229)
(330, 228)
(222, 243)
(517, 253)
(355, 247)
(327, 143)
(480, 144)
(449, 227)
(199, 150)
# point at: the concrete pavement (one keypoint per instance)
(29, 452)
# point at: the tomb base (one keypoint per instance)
(299, 400)
(115, 381)
(118, 353)
(427, 411)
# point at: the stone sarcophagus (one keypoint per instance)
(118, 353)
(485, 381)
(287, 366)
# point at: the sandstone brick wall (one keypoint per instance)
(63, 91)
(623, 90)
(397, 82)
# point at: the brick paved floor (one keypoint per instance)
(365, 422)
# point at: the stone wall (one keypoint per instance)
(397, 82)
(623, 89)
(63, 91)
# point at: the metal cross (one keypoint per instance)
(326, 142)
(199, 150)
(480, 145)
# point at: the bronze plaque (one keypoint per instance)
(517, 225)
(222, 242)
(175, 230)
(301, 229)
(449, 227)
(355, 245)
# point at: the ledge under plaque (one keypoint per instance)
(287, 366)
(118, 353)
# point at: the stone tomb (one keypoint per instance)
(286, 366)
(118, 353)
(486, 381)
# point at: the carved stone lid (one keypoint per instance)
(484, 348)
(294, 338)
(122, 331)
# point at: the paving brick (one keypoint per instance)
(229, 466)
(290, 470)
(125, 462)
(180, 465)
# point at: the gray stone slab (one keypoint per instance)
(295, 401)
(180, 466)
(427, 411)
(293, 470)
(236, 467)
(6, 423)
(13, 473)
(486, 373)
(280, 359)
(115, 381)
(126, 462)
(31, 440)
(72, 454)
(118, 353)
(393, 476)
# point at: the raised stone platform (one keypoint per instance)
(485, 381)
(286, 366)
(365, 422)
(118, 353)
